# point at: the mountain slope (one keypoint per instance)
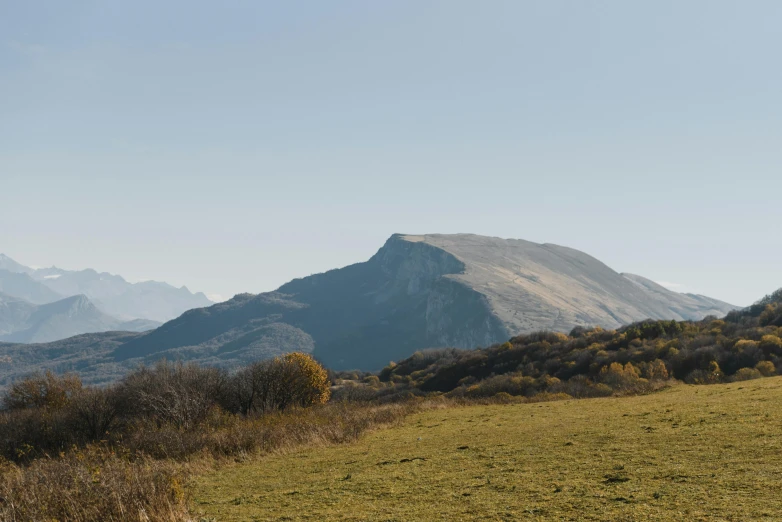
(87, 354)
(13, 312)
(531, 286)
(153, 300)
(419, 292)
(144, 300)
(21, 285)
(687, 305)
(6, 263)
(22, 322)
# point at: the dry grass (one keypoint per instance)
(93, 485)
(100, 484)
(686, 453)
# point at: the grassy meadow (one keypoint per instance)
(685, 453)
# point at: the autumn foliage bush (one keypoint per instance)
(593, 362)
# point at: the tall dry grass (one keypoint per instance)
(91, 485)
(143, 476)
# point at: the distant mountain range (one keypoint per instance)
(23, 322)
(6, 263)
(113, 295)
(21, 285)
(416, 292)
(151, 300)
(47, 304)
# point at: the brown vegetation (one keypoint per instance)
(90, 485)
(124, 452)
(70, 452)
(595, 362)
(143, 476)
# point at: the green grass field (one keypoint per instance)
(686, 453)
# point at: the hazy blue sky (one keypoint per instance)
(231, 146)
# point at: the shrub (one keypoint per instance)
(372, 380)
(511, 384)
(746, 374)
(30, 433)
(352, 392)
(294, 380)
(620, 377)
(766, 368)
(95, 411)
(711, 376)
(304, 381)
(771, 345)
(580, 387)
(743, 345)
(656, 370)
(42, 391)
(178, 394)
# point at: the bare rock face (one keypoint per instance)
(535, 287)
(467, 291)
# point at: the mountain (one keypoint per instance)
(683, 304)
(23, 286)
(155, 301)
(13, 313)
(146, 300)
(416, 292)
(419, 292)
(23, 322)
(531, 286)
(6, 263)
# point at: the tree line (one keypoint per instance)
(591, 362)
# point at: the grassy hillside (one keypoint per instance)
(687, 453)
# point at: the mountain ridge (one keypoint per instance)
(61, 319)
(425, 291)
(151, 300)
(6, 263)
(416, 292)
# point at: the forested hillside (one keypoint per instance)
(593, 362)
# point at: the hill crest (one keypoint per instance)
(421, 291)
(416, 292)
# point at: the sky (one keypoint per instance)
(232, 146)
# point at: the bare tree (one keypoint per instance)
(96, 410)
(180, 394)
